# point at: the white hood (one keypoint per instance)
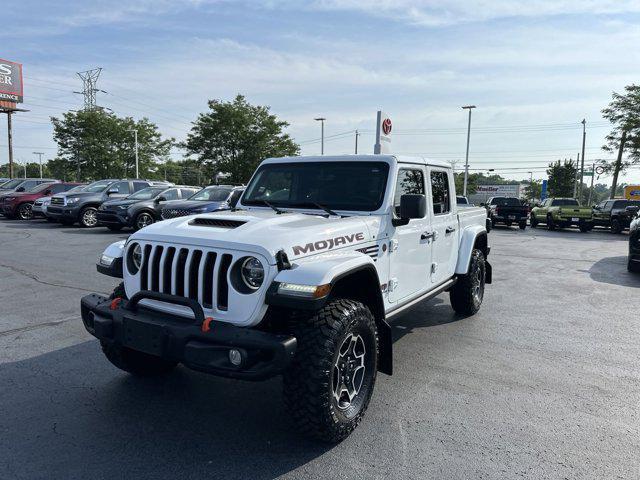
(266, 232)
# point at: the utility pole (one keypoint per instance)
(89, 80)
(40, 155)
(466, 163)
(593, 174)
(357, 135)
(10, 135)
(321, 120)
(584, 136)
(575, 181)
(530, 185)
(616, 171)
(135, 136)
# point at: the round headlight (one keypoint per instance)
(134, 258)
(252, 273)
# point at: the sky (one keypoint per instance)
(534, 69)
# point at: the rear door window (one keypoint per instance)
(171, 194)
(440, 194)
(121, 187)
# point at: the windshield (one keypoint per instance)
(212, 194)
(40, 188)
(506, 202)
(356, 186)
(565, 202)
(79, 188)
(11, 184)
(147, 193)
(98, 186)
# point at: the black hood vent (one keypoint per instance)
(217, 222)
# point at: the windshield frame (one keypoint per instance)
(309, 205)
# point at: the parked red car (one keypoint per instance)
(19, 204)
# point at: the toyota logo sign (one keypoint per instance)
(386, 126)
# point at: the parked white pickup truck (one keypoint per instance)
(300, 279)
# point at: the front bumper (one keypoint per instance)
(63, 212)
(509, 218)
(184, 340)
(39, 210)
(107, 217)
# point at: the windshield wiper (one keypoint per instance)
(273, 207)
(326, 209)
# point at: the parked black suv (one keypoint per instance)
(507, 210)
(615, 214)
(82, 207)
(142, 208)
(633, 262)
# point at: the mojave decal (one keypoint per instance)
(327, 244)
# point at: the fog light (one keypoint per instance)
(235, 357)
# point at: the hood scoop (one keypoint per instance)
(216, 222)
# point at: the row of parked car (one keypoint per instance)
(557, 213)
(112, 203)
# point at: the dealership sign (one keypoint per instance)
(383, 133)
(11, 81)
(499, 190)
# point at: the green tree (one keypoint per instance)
(233, 137)
(624, 114)
(101, 145)
(561, 178)
(532, 191)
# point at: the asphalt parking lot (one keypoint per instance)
(543, 383)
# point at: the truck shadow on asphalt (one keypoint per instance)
(613, 270)
(434, 312)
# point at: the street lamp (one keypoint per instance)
(135, 135)
(321, 120)
(466, 163)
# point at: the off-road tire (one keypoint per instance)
(467, 294)
(522, 225)
(616, 226)
(584, 228)
(534, 221)
(551, 225)
(489, 226)
(83, 221)
(309, 381)
(633, 267)
(136, 363)
(114, 228)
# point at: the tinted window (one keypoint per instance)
(440, 193)
(171, 194)
(626, 203)
(357, 186)
(506, 202)
(120, 188)
(146, 194)
(29, 184)
(462, 201)
(187, 192)
(408, 182)
(137, 186)
(41, 187)
(60, 187)
(565, 202)
(12, 183)
(212, 194)
(98, 186)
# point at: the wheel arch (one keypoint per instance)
(472, 238)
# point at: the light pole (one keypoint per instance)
(321, 120)
(530, 185)
(584, 137)
(40, 155)
(466, 163)
(135, 136)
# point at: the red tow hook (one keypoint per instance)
(115, 302)
(206, 325)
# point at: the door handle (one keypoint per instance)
(450, 229)
(429, 235)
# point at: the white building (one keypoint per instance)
(483, 192)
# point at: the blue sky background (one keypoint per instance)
(533, 68)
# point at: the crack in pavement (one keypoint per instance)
(6, 333)
(35, 278)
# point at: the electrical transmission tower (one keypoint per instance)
(89, 80)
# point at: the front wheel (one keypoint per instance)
(467, 294)
(89, 217)
(522, 225)
(329, 384)
(551, 225)
(25, 211)
(616, 226)
(143, 219)
(633, 267)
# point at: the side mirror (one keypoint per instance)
(411, 206)
(47, 192)
(483, 204)
(159, 199)
(21, 189)
(111, 191)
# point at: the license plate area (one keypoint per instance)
(143, 336)
(575, 219)
(512, 217)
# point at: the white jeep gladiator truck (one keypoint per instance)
(300, 279)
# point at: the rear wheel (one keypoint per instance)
(633, 267)
(551, 225)
(89, 217)
(522, 225)
(467, 294)
(584, 228)
(143, 219)
(25, 211)
(616, 226)
(329, 384)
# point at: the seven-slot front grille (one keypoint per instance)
(187, 272)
